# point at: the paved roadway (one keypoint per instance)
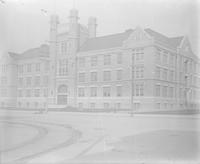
(23, 138)
(60, 137)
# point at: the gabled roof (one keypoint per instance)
(173, 42)
(105, 42)
(176, 41)
(42, 51)
(116, 40)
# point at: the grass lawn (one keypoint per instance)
(155, 145)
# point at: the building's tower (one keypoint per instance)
(74, 30)
(92, 25)
(74, 39)
(53, 57)
(73, 22)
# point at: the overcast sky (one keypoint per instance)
(23, 25)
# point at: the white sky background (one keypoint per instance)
(24, 26)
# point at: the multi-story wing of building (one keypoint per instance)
(26, 77)
(138, 69)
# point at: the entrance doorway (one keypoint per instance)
(62, 95)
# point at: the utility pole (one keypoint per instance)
(186, 82)
(176, 80)
(132, 84)
(75, 76)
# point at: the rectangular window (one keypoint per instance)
(4, 68)
(190, 81)
(119, 74)
(158, 56)
(106, 91)
(106, 75)
(37, 80)
(37, 93)
(165, 105)
(37, 67)
(139, 90)
(81, 92)
(165, 58)
(36, 104)
(27, 104)
(81, 77)
(164, 91)
(106, 105)
(92, 105)
(164, 74)
(3, 80)
(45, 92)
(119, 91)
(20, 82)
(93, 76)
(139, 71)
(29, 67)
(171, 60)
(171, 76)
(94, 61)
(28, 81)
(180, 93)
(46, 80)
(20, 93)
(137, 106)
(28, 93)
(181, 77)
(81, 62)
(119, 58)
(93, 91)
(139, 54)
(171, 92)
(185, 66)
(3, 92)
(194, 94)
(107, 59)
(180, 62)
(158, 90)
(194, 80)
(63, 67)
(63, 48)
(20, 69)
(158, 72)
(46, 66)
(190, 67)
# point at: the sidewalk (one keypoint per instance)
(113, 114)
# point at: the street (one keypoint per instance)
(75, 137)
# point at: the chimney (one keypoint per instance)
(92, 27)
(73, 16)
(73, 21)
(54, 21)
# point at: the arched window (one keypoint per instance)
(62, 89)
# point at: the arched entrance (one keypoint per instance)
(62, 95)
